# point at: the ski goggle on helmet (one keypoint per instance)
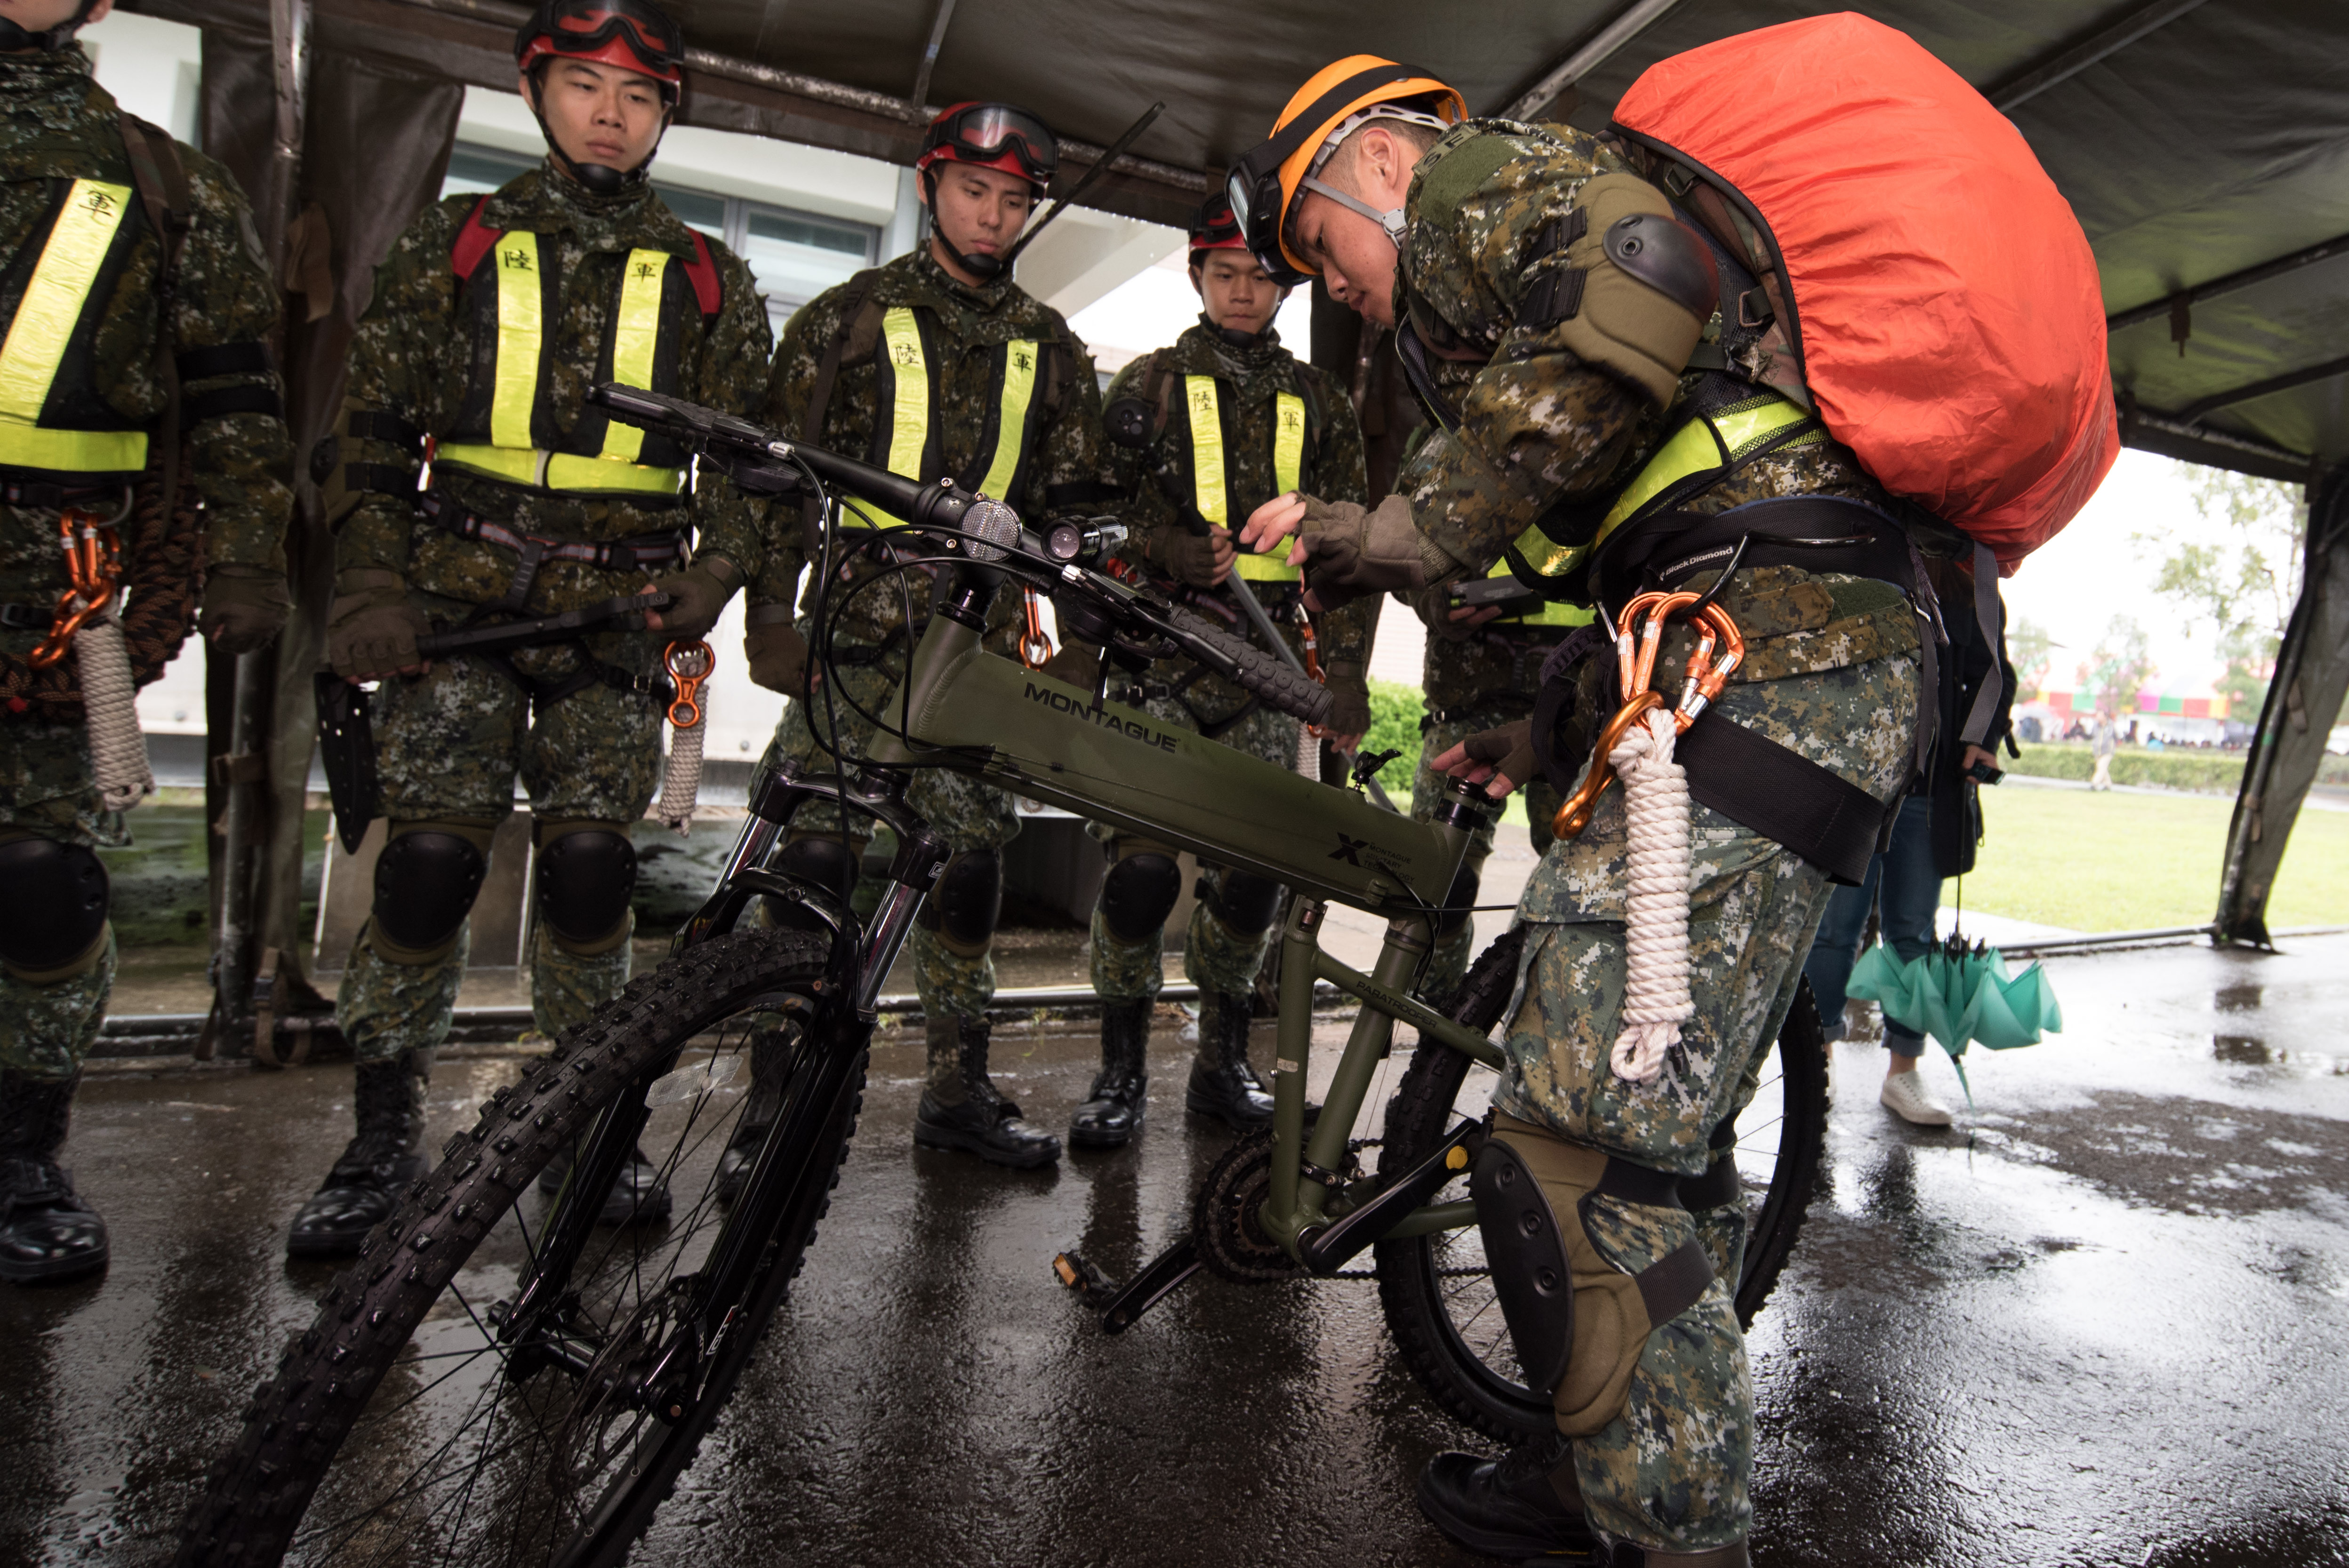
(998, 135)
(632, 35)
(1265, 186)
(1212, 228)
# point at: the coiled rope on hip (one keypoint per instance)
(1656, 810)
(680, 789)
(117, 752)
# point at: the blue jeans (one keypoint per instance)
(1911, 891)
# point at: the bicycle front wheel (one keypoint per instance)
(1437, 1291)
(495, 1382)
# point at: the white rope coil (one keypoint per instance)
(1308, 752)
(1656, 809)
(117, 752)
(681, 781)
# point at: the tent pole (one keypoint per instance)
(2312, 676)
(246, 780)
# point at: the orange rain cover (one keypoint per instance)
(1952, 326)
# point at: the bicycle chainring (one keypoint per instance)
(1224, 1216)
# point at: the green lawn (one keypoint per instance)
(2116, 861)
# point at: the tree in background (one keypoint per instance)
(2240, 574)
(2031, 649)
(2121, 667)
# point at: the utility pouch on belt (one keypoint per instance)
(1578, 1321)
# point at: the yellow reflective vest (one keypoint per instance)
(1708, 444)
(42, 373)
(1204, 433)
(905, 440)
(508, 430)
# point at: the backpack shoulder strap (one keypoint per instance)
(473, 241)
(702, 271)
(162, 178)
(853, 295)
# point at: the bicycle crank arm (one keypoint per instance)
(1120, 1305)
(1329, 1248)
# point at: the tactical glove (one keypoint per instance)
(697, 596)
(244, 608)
(372, 628)
(1076, 663)
(777, 654)
(1350, 687)
(1350, 551)
(1201, 560)
(1510, 750)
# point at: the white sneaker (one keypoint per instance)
(1904, 1096)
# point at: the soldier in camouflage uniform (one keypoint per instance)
(1480, 671)
(935, 364)
(1208, 430)
(491, 319)
(81, 397)
(1572, 420)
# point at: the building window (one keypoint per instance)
(794, 255)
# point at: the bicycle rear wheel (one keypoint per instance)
(490, 1386)
(1437, 1292)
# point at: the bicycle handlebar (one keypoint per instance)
(1293, 692)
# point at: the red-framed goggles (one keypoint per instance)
(993, 135)
(629, 34)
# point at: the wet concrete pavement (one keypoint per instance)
(2101, 1322)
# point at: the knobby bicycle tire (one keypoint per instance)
(256, 1495)
(1415, 1281)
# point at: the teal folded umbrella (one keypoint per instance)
(1954, 994)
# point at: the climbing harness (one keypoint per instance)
(689, 665)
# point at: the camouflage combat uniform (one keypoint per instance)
(57, 125)
(1474, 679)
(1832, 672)
(1159, 478)
(451, 741)
(971, 337)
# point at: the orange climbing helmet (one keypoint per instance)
(1336, 100)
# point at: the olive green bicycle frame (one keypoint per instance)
(976, 713)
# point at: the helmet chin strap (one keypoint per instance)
(1232, 335)
(1390, 222)
(986, 269)
(15, 37)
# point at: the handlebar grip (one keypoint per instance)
(1299, 696)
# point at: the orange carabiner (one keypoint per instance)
(1575, 815)
(1706, 675)
(93, 567)
(690, 665)
(1035, 647)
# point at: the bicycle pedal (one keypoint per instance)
(1077, 1275)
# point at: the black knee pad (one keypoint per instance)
(55, 905)
(1527, 1253)
(1244, 902)
(827, 863)
(586, 879)
(968, 899)
(1459, 903)
(1139, 893)
(425, 881)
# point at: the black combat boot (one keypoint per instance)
(769, 1060)
(46, 1233)
(961, 1109)
(1524, 1505)
(1121, 1093)
(639, 1194)
(1222, 1083)
(363, 1187)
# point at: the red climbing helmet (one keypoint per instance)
(633, 34)
(999, 136)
